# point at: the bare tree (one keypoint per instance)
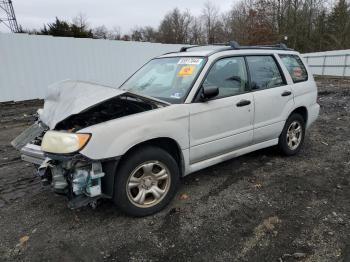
(115, 33)
(149, 34)
(210, 16)
(175, 27)
(81, 21)
(196, 32)
(100, 32)
(136, 34)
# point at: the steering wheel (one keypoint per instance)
(234, 78)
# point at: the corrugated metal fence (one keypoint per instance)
(29, 63)
(330, 63)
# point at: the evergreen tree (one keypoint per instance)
(338, 25)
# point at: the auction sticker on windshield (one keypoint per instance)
(190, 61)
(186, 71)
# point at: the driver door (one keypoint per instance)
(224, 123)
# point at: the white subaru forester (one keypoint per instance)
(181, 112)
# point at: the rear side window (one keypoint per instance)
(264, 72)
(295, 67)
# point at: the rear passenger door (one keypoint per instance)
(273, 98)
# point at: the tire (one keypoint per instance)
(146, 181)
(285, 143)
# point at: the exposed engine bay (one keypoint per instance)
(120, 106)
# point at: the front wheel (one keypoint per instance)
(292, 136)
(146, 181)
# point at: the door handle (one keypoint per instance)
(243, 103)
(286, 93)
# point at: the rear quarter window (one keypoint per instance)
(295, 67)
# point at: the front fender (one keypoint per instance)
(115, 137)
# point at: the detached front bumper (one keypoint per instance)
(33, 154)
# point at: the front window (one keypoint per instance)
(168, 79)
(229, 75)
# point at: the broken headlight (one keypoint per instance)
(63, 142)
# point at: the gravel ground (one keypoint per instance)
(258, 207)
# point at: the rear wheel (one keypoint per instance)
(292, 136)
(146, 181)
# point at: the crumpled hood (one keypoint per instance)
(70, 97)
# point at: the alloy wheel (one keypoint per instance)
(148, 184)
(294, 135)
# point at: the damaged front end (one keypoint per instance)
(78, 178)
(53, 143)
(73, 175)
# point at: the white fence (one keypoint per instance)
(29, 63)
(330, 63)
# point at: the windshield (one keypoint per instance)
(168, 79)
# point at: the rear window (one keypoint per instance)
(295, 67)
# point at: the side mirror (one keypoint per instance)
(209, 92)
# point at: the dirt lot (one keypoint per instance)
(259, 207)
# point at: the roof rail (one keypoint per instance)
(277, 46)
(184, 48)
(235, 45)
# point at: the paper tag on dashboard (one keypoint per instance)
(190, 61)
(176, 95)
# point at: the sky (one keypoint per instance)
(125, 14)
